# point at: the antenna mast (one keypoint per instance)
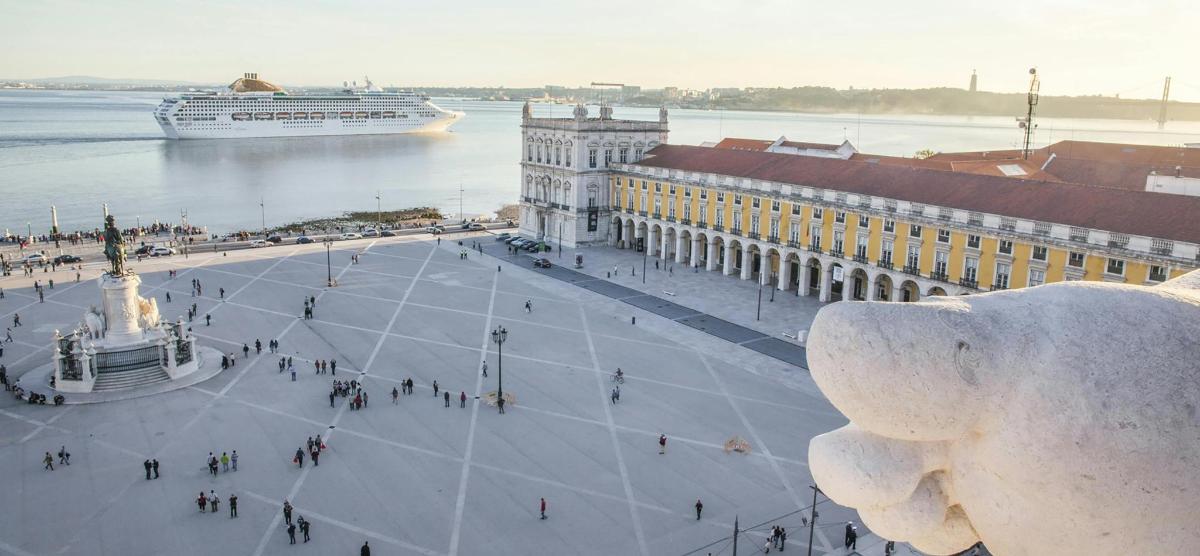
(1162, 107)
(1027, 124)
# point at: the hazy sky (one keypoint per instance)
(1080, 47)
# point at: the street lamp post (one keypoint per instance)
(262, 204)
(812, 523)
(499, 335)
(378, 212)
(328, 264)
(187, 234)
(560, 230)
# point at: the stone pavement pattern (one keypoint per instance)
(415, 477)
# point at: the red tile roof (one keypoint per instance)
(1131, 212)
(814, 146)
(743, 144)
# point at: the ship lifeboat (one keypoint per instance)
(283, 115)
(389, 115)
(300, 115)
(376, 115)
(263, 116)
(317, 116)
(347, 115)
(241, 116)
(360, 115)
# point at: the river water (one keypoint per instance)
(78, 149)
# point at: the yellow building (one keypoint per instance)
(851, 229)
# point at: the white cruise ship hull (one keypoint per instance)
(251, 129)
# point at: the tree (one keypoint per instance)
(923, 154)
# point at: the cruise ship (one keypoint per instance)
(252, 107)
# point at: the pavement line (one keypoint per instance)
(343, 525)
(616, 442)
(12, 549)
(461, 501)
(266, 537)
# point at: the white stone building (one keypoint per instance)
(565, 167)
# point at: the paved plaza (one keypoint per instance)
(416, 477)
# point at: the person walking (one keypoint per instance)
(222, 292)
(299, 459)
(245, 351)
(207, 320)
(292, 370)
(662, 444)
(699, 508)
(395, 395)
(331, 396)
(49, 461)
(233, 460)
(614, 396)
(528, 306)
(485, 369)
(435, 388)
(213, 501)
(333, 366)
(154, 466)
(303, 527)
(782, 538)
(287, 512)
(168, 297)
(446, 396)
(224, 461)
(257, 346)
(291, 530)
(366, 547)
(500, 405)
(146, 464)
(462, 399)
(64, 457)
(202, 501)
(316, 457)
(232, 505)
(543, 508)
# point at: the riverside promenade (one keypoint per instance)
(415, 477)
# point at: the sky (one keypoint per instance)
(1080, 47)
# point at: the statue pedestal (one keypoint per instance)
(121, 311)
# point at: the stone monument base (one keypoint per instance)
(208, 365)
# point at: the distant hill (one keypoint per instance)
(109, 81)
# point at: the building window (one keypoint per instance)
(774, 233)
(885, 252)
(970, 269)
(671, 211)
(687, 211)
(624, 155)
(703, 194)
(973, 241)
(914, 230)
(644, 186)
(657, 207)
(1002, 272)
(941, 261)
(672, 186)
(630, 197)
(913, 261)
(1039, 253)
(607, 157)
(795, 208)
(1116, 267)
(814, 235)
(1158, 273)
(889, 226)
(943, 236)
(558, 156)
(703, 214)
(539, 154)
(755, 202)
(839, 241)
(794, 233)
(687, 192)
(737, 221)
(864, 221)
(529, 155)
(737, 199)
(637, 154)
(568, 157)
(720, 197)
(754, 223)
(860, 250)
(818, 213)
(1036, 277)
(1005, 247)
(774, 205)
(839, 217)
(591, 158)
(720, 218)
(657, 187)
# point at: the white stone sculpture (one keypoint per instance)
(147, 313)
(93, 321)
(1059, 419)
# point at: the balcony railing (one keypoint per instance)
(973, 284)
(641, 213)
(793, 244)
(773, 239)
(815, 246)
(685, 221)
(629, 210)
(837, 253)
(885, 262)
(658, 215)
(752, 235)
(998, 287)
(737, 231)
(940, 276)
(702, 225)
(911, 269)
(670, 219)
(861, 259)
(718, 228)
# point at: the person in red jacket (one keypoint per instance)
(543, 508)
(462, 399)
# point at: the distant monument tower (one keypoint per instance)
(974, 81)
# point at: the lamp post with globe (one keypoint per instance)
(499, 335)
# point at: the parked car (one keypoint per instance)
(387, 233)
(477, 226)
(304, 239)
(275, 239)
(503, 236)
(435, 229)
(143, 250)
(351, 235)
(512, 240)
(520, 242)
(64, 259)
(258, 243)
(35, 258)
(541, 263)
(532, 247)
(370, 232)
(465, 226)
(161, 252)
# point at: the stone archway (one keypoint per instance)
(641, 241)
(882, 288)
(733, 257)
(630, 240)
(618, 233)
(654, 244)
(754, 259)
(684, 252)
(936, 290)
(837, 284)
(813, 275)
(909, 291)
(717, 255)
(859, 285)
(794, 272)
(667, 244)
